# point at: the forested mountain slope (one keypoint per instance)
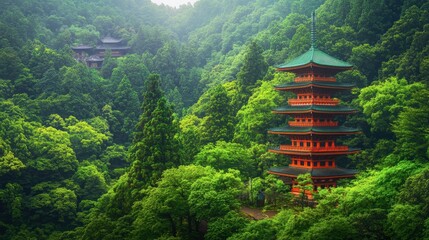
(169, 141)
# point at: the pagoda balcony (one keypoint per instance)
(310, 78)
(324, 102)
(314, 149)
(312, 124)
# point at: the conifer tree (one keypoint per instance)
(218, 121)
(254, 68)
(154, 148)
(126, 101)
(151, 95)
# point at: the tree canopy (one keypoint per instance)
(170, 140)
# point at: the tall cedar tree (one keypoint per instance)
(219, 121)
(154, 148)
(254, 68)
(126, 101)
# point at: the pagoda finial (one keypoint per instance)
(313, 29)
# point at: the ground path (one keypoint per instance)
(258, 214)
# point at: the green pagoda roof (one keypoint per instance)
(314, 108)
(334, 85)
(315, 56)
(314, 130)
(315, 172)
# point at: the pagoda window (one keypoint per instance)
(308, 164)
(315, 164)
(301, 144)
(330, 163)
(295, 162)
(329, 144)
(314, 144)
(322, 163)
(322, 144)
(308, 144)
(301, 163)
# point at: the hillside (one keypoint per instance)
(170, 140)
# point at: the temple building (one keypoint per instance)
(314, 130)
(94, 56)
(116, 47)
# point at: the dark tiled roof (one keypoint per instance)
(315, 172)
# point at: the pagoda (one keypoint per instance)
(314, 130)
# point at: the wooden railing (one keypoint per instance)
(325, 102)
(313, 149)
(314, 78)
(312, 124)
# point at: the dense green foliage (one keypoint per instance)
(169, 141)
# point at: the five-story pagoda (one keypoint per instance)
(314, 130)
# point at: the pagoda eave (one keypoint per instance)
(310, 153)
(312, 133)
(294, 176)
(312, 65)
(82, 47)
(279, 88)
(316, 173)
(112, 48)
(314, 111)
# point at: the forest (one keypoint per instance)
(170, 141)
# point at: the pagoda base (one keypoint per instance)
(321, 177)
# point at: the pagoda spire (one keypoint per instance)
(313, 29)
